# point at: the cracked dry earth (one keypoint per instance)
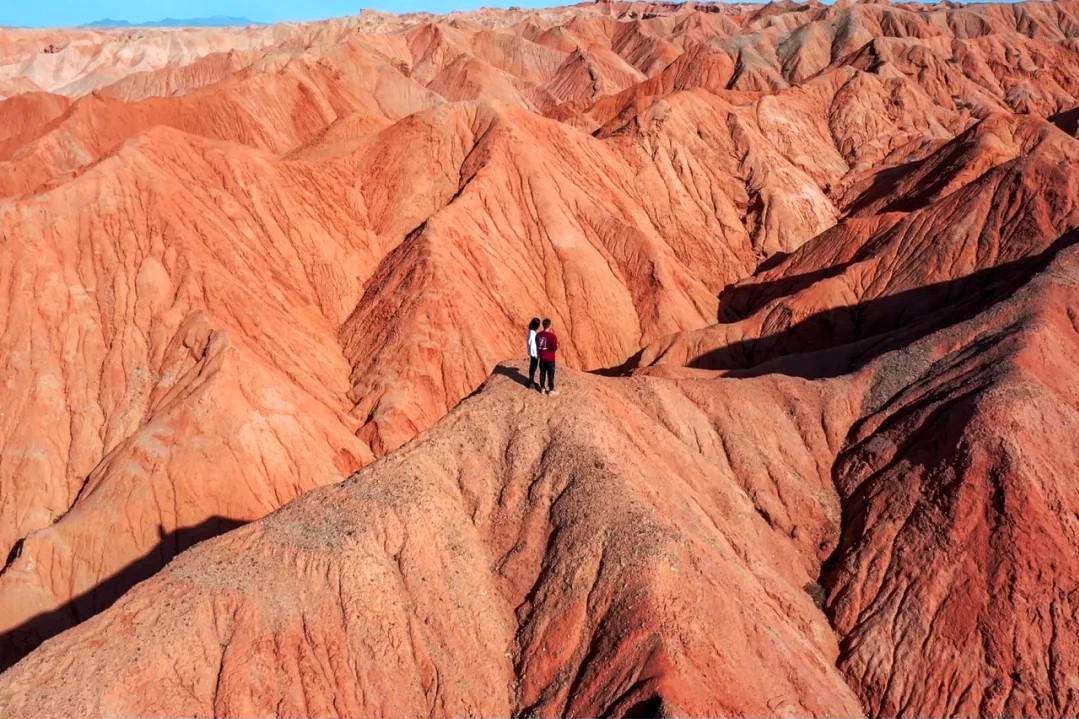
(264, 450)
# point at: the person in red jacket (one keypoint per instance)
(547, 344)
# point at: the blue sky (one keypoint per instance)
(51, 13)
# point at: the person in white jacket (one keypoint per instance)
(533, 351)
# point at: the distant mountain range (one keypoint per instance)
(215, 21)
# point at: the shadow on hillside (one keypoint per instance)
(650, 708)
(841, 340)
(771, 262)
(20, 641)
(1068, 121)
(512, 372)
(632, 362)
(736, 302)
(884, 182)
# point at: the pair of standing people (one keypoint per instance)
(542, 348)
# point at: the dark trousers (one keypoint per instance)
(533, 362)
(547, 374)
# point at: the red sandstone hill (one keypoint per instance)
(820, 258)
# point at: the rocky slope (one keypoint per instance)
(651, 546)
(831, 244)
(526, 555)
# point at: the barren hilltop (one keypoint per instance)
(263, 297)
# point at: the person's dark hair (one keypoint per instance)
(546, 323)
(534, 324)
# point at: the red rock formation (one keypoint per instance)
(520, 557)
(834, 244)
